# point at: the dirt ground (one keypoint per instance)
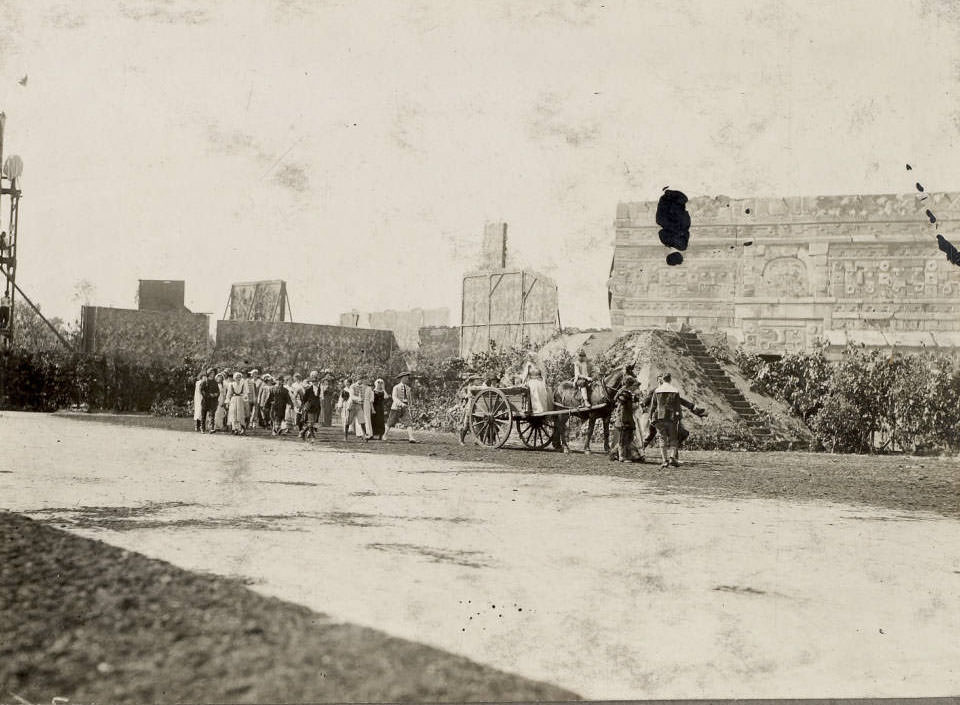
(736, 575)
(94, 623)
(892, 481)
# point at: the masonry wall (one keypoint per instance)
(777, 274)
(158, 335)
(292, 347)
(440, 341)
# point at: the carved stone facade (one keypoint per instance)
(776, 275)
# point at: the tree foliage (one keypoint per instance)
(868, 399)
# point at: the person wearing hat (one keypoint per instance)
(665, 415)
(625, 402)
(210, 392)
(311, 406)
(263, 396)
(583, 376)
(402, 396)
(615, 380)
(278, 401)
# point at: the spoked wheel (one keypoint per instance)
(491, 418)
(536, 431)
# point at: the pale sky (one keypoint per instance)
(356, 149)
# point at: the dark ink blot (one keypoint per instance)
(673, 219)
(748, 243)
(952, 253)
(909, 168)
(747, 211)
(674, 258)
(931, 216)
(919, 187)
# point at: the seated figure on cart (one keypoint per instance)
(583, 374)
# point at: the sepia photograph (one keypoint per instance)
(445, 351)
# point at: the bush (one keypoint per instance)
(48, 380)
(171, 407)
(868, 400)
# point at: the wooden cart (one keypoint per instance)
(495, 411)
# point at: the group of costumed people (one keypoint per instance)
(658, 413)
(244, 401)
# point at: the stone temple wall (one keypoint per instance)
(775, 275)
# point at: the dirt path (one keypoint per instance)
(626, 587)
(896, 482)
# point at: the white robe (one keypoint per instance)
(198, 402)
(540, 400)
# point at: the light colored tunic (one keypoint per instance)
(198, 402)
(236, 405)
(540, 400)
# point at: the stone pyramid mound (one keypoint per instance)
(710, 383)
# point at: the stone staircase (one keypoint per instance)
(721, 382)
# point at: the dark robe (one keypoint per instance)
(327, 402)
(378, 414)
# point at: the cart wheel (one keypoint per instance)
(536, 431)
(491, 418)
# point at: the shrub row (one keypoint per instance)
(868, 400)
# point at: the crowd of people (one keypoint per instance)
(244, 401)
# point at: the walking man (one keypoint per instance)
(210, 400)
(624, 422)
(402, 396)
(310, 400)
(665, 416)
